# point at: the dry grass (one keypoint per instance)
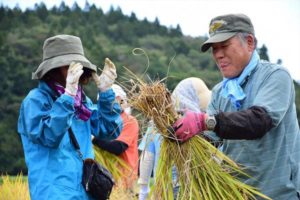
(14, 188)
(120, 193)
(125, 188)
(113, 163)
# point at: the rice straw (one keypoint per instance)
(203, 171)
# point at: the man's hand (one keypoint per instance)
(74, 72)
(189, 125)
(107, 77)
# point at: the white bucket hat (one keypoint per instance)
(61, 50)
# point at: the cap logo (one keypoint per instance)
(216, 25)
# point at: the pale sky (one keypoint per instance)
(276, 22)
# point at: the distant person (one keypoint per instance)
(190, 93)
(126, 144)
(253, 110)
(57, 105)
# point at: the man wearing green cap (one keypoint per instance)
(252, 110)
(57, 105)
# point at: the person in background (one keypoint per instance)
(150, 147)
(57, 105)
(252, 110)
(190, 93)
(126, 144)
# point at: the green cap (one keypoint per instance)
(61, 50)
(223, 27)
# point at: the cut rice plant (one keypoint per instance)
(117, 166)
(203, 171)
(119, 193)
(14, 188)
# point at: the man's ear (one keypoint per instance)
(251, 42)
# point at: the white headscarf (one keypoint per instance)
(192, 94)
(119, 92)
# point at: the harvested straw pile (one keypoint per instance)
(203, 171)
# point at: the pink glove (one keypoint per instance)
(189, 125)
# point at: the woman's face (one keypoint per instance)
(60, 74)
(86, 76)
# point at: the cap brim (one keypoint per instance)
(219, 37)
(59, 61)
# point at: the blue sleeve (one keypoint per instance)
(43, 121)
(106, 119)
(148, 141)
(212, 110)
(276, 94)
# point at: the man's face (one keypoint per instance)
(233, 55)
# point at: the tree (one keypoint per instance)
(132, 17)
(263, 53)
(279, 61)
(86, 7)
(114, 15)
(41, 10)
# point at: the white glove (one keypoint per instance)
(107, 77)
(74, 72)
(144, 191)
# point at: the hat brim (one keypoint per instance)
(219, 37)
(60, 61)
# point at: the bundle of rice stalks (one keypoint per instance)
(203, 171)
(15, 188)
(119, 193)
(117, 166)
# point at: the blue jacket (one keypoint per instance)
(54, 167)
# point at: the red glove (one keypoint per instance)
(189, 125)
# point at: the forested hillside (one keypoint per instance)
(112, 34)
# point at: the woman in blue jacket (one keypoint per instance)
(58, 104)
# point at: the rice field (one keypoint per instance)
(16, 188)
